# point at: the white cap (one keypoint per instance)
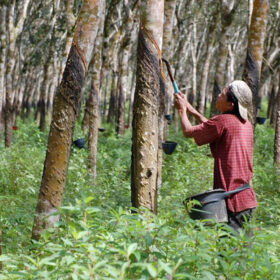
(245, 98)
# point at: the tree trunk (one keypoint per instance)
(277, 132)
(131, 100)
(272, 103)
(94, 112)
(3, 13)
(149, 85)
(66, 107)
(228, 9)
(120, 127)
(44, 95)
(70, 19)
(13, 31)
(85, 122)
(204, 79)
(169, 12)
(256, 36)
(113, 99)
(93, 128)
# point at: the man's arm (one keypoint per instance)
(185, 123)
(185, 107)
(199, 117)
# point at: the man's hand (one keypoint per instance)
(181, 102)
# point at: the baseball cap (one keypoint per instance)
(245, 98)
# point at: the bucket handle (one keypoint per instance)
(221, 196)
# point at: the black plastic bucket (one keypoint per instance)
(212, 204)
(209, 209)
(169, 147)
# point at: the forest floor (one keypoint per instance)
(99, 238)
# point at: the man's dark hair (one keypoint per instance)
(232, 98)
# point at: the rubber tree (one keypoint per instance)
(93, 108)
(47, 65)
(70, 22)
(14, 29)
(227, 9)
(256, 36)
(210, 42)
(3, 13)
(277, 131)
(123, 73)
(147, 107)
(277, 137)
(66, 107)
(169, 13)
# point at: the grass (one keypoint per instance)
(99, 238)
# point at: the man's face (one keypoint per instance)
(222, 103)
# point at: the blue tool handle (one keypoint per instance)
(175, 87)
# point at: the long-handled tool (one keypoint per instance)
(171, 76)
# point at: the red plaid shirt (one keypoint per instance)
(231, 143)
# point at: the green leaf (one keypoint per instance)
(208, 275)
(165, 267)
(131, 248)
(88, 199)
(152, 270)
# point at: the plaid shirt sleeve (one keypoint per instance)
(207, 132)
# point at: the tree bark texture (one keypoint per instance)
(94, 112)
(113, 99)
(277, 131)
(256, 36)
(44, 95)
(93, 128)
(70, 18)
(146, 108)
(131, 97)
(3, 13)
(66, 107)
(228, 9)
(204, 79)
(14, 31)
(123, 78)
(257, 30)
(169, 12)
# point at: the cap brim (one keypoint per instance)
(243, 112)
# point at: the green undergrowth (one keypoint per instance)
(99, 237)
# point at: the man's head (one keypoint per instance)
(236, 98)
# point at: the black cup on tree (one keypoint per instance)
(168, 117)
(169, 147)
(261, 120)
(80, 143)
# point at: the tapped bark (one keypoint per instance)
(256, 38)
(66, 107)
(146, 108)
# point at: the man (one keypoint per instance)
(230, 136)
